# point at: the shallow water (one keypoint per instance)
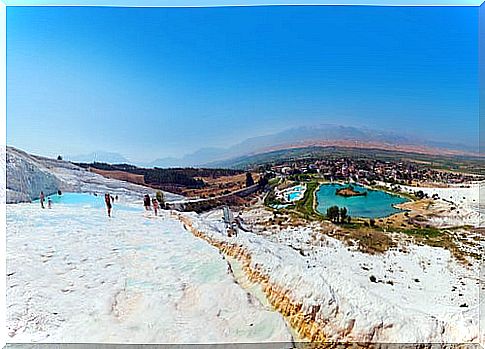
(86, 200)
(295, 193)
(376, 204)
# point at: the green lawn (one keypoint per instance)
(305, 205)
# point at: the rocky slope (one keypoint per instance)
(28, 175)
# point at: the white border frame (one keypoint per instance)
(137, 3)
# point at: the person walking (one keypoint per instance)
(49, 203)
(155, 206)
(42, 199)
(146, 202)
(107, 201)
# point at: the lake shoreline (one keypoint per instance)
(333, 199)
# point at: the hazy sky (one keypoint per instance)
(156, 82)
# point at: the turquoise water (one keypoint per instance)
(84, 199)
(376, 204)
(296, 193)
(293, 196)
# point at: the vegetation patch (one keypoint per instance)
(425, 232)
(349, 191)
(306, 204)
(392, 192)
(366, 239)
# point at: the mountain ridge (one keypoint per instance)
(99, 156)
(296, 137)
(322, 135)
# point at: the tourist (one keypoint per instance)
(42, 198)
(107, 200)
(59, 192)
(146, 202)
(116, 197)
(49, 203)
(155, 206)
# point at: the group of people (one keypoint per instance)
(147, 204)
(42, 200)
(108, 200)
(49, 200)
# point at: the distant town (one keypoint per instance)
(371, 171)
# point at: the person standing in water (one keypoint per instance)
(107, 201)
(42, 198)
(155, 206)
(146, 202)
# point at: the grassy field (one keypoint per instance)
(306, 204)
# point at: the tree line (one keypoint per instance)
(338, 215)
(160, 177)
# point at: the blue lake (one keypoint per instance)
(86, 200)
(376, 204)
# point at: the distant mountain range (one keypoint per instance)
(99, 156)
(299, 137)
(323, 135)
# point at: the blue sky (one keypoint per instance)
(178, 3)
(155, 82)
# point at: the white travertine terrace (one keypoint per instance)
(421, 294)
(74, 275)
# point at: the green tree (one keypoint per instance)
(160, 198)
(343, 214)
(333, 213)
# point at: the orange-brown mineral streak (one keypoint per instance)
(306, 325)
